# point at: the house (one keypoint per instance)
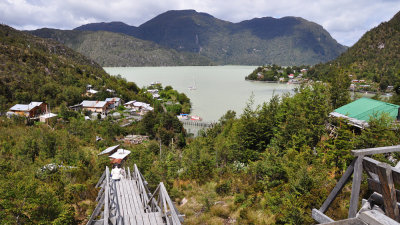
(119, 156)
(130, 105)
(95, 106)
(31, 110)
(140, 107)
(109, 150)
(113, 102)
(291, 76)
(47, 117)
(359, 112)
(303, 71)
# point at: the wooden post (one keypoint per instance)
(388, 191)
(343, 180)
(355, 189)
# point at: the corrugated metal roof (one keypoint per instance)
(25, 107)
(94, 104)
(113, 99)
(364, 108)
(120, 154)
(109, 149)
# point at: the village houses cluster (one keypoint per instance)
(40, 110)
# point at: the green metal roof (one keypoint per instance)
(364, 108)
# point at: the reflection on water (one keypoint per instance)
(218, 88)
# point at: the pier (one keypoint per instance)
(193, 126)
(129, 202)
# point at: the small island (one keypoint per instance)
(275, 73)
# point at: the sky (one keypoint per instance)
(345, 20)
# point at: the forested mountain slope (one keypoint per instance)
(117, 49)
(375, 57)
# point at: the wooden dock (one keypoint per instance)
(129, 202)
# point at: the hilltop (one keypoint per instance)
(117, 49)
(284, 41)
(374, 57)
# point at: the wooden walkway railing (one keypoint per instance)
(382, 179)
(129, 201)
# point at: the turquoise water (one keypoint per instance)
(219, 88)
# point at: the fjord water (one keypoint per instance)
(219, 88)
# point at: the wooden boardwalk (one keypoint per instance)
(130, 206)
(129, 202)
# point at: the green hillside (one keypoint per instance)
(284, 41)
(375, 57)
(115, 49)
(35, 69)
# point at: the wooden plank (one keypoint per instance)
(135, 202)
(388, 191)
(342, 182)
(159, 218)
(372, 151)
(355, 189)
(127, 220)
(97, 209)
(132, 203)
(320, 217)
(152, 218)
(145, 218)
(138, 201)
(370, 165)
(174, 214)
(118, 193)
(101, 179)
(106, 198)
(139, 219)
(373, 217)
(352, 221)
(128, 198)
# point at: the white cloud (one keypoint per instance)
(345, 20)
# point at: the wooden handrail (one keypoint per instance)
(106, 198)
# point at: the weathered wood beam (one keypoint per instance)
(96, 211)
(373, 217)
(355, 189)
(376, 186)
(342, 181)
(379, 150)
(388, 191)
(106, 198)
(320, 217)
(101, 179)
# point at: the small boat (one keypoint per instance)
(198, 118)
(194, 86)
(183, 116)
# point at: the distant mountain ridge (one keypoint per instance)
(284, 41)
(117, 49)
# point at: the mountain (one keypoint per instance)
(116, 49)
(37, 69)
(284, 41)
(375, 57)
